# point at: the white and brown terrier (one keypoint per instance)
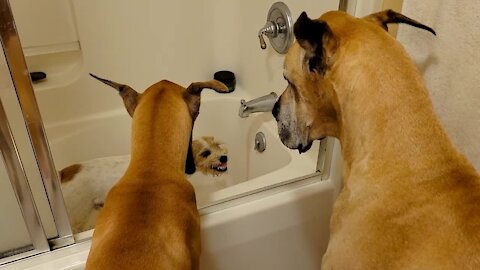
(210, 156)
(85, 185)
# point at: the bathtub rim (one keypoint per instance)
(322, 174)
(75, 255)
(241, 198)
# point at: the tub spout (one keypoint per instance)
(261, 104)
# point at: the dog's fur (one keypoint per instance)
(410, 200)
(150, 219)
(85, 185)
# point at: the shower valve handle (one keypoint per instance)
(278, 29)
(270, 30)
(263, 45)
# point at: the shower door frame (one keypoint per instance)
(21, 188)
(23, 87)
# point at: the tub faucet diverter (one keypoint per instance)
(261, 104)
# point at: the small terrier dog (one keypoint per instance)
(85, 185)
(210, 156)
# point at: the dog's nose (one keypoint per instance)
(223, 159)
(276, 109)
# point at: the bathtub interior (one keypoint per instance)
(248, 169)
(108, 135)
(85, 120)
(219, 118)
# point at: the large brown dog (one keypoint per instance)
(410, 200)
(150, 218)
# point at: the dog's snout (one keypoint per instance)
(276, 109)
(223, 159)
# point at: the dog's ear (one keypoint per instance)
(197, 87)
(192, 94)
(389, 16)
(317, 39)
(190, 162)
(130, 97)
(209, 139)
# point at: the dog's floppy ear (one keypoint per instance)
(130, 97)
(389, 16)
(197, 87)
(190, 162)
(317, 39)
(192, 94)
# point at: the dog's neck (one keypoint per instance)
(389, 123)
(161, 131)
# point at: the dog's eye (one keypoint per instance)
(206, 153)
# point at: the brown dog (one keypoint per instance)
(410, 200)
(150, 218)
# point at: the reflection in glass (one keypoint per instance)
(13, 231)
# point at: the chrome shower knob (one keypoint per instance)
(279, 28)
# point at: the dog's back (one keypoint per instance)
(421, 220)
(147, 223)
(85, 186)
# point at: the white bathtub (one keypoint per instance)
(108, 134)
(283, 229)
(275, 216)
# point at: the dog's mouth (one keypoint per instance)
(221, 167)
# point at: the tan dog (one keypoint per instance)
(410, 200)
(150, 219)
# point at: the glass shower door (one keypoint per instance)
(34, 218)
(13, 230)
(21, 231)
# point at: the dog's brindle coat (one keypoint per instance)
(410, 200)
(150, 218)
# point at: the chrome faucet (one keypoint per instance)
(278, 28)
(261, 104)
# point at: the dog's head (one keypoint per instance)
(210, 156)
(322, 64)
(190, 96)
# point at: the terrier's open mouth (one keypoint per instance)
(221, 167)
